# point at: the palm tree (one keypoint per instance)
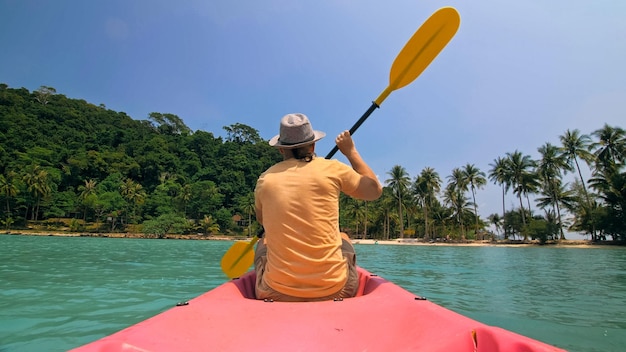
(353, 209)
(585, 213)
(426, 187)
(612, 187)
(9, 189)
(530, 184)
(496, 221)
(384, 203)
(520, 177)
(499, 175)
(186, 195)
(399, 182)
(455, 198)
(457, 180)
(574, 146)
(245, 204)
(441, 218)
(209, 225)
(38, 183)
(366, 218)
(476, 180)
(133, 193)
(455, 191)
(550, 165)
(610, 148)
(85, 191)
(554, 194)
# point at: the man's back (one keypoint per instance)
(300, 205)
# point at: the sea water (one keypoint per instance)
(57, 293)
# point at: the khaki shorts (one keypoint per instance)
(263, 291)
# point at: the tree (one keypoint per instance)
(554, 194)
(549, 169)
(382, 208)
(353, 209)
(611, 215)
(610, 148)
(454, 195)
(9, 189)
(38, 184)
(134, 194)
(184, 197)
(574, 146)
(206, 198)
(209, 225)
(585, 213)
(87, 191)
(426, 187)
(499, 175)
(520, 175)
(456, 200)
(43, 94)
(609, 180)
(246, 206)
(240, 133)
(169, 124)
(399, 182)
(164, 224)
(496, 220)
(476, 180)
(112, 204)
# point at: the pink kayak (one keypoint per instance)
(383, 317)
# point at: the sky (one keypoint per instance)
(517, 74)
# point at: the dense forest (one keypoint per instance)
(69, 164)
(67, 158)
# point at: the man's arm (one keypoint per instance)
(369, 188)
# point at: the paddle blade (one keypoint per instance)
(421, 49)
(238, 259)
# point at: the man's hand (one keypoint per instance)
(369, 188)
(345, 143)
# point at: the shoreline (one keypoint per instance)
(400, 242)
(484, 243)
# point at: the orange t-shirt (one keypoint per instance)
(299, 203)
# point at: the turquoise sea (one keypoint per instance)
(61, 292)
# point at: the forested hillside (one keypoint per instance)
(67, 158)
(66, 163)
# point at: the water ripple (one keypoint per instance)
(58, 293)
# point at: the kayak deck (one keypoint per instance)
(383, 317)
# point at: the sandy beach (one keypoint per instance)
(486, 243)
(400, 242)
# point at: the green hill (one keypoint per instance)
(68, 158)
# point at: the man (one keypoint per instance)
(303, 256)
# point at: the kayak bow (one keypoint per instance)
(383, 317)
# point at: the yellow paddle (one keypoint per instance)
(417, 54)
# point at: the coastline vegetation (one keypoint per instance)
(69, 165)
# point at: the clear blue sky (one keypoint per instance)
(516, 75)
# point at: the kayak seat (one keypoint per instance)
(246, 283)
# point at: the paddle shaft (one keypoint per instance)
(369, 111)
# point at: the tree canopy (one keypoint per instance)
(62, 157)
(67, 159)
